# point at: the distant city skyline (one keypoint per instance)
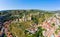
(30, 4)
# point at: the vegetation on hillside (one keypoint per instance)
(18, 28)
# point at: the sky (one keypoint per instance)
(30, 4)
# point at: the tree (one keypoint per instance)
(53, 24)
(35, 19)
(39, 32)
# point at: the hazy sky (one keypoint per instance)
(30, 4)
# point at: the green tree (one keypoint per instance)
(39, 32)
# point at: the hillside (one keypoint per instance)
(25, 23)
